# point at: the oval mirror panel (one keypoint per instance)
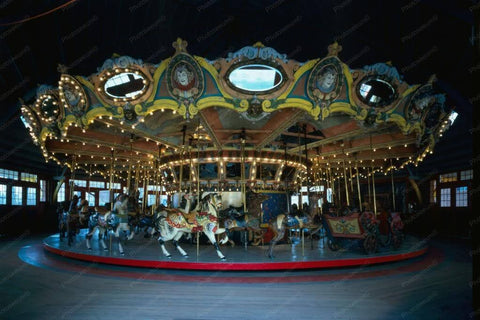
(377, 92)
(255, 77)
(124, 85)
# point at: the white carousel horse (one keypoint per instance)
(149, 222)
(98, 221)
(177, 223)
(120, 214)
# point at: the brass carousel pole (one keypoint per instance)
(129, 178)
(346, 184)
(184, 130)
(351, 183)
(72, 177)
(198, 171)
(369, 190)
(393, 186)
(157, 175)
(242, 171)
(110, 185)
(145, 189)
(191, 166)
(358, 188)
(339, 189)
(374, 197)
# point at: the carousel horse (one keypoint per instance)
(62, 213)
(118, 219)
(278, 225)
(176, 223)
(148, 222)
(73, 220)
(251, 221)
(98, 221)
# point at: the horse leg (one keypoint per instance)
(117, 237)
(101, 236)
(177, 246)
(165, 235)
(211, 236)
(131, 235)
(279, 233)
(88, 237)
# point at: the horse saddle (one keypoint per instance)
(191, 217)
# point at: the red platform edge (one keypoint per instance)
(237, 266)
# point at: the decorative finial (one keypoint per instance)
(258, 44)
(62, 68)
(180, 45)
(334, 49)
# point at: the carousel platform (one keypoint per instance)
(141, 252)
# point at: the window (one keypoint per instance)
(8, 174)
(461, 197)
(305, 200)
(97, 184)
(17, 196)
(466, 175)
(115, 185)
(3, 194)
(103, 197)
(78, 193)
(445, 197)
(90, 198)
(153, 188)
(43, 190)
(433, 191)
(28, 177)
(294, 200)
(164, 200)
(31, 196)
(61, 193)
(80, 183)
(448, 177)
(151, 200)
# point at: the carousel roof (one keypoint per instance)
(254, 106)
(256, 101)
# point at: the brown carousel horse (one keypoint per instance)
(176, 223)
(297, 220)
(237, 220)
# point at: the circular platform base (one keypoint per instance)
(140, 252)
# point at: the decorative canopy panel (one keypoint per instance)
(255, 117)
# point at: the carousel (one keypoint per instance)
(278, 156)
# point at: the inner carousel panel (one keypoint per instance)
(252, 161)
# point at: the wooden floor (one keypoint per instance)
(38, 285)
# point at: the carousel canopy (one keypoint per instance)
(305, 98)
(284, 120)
